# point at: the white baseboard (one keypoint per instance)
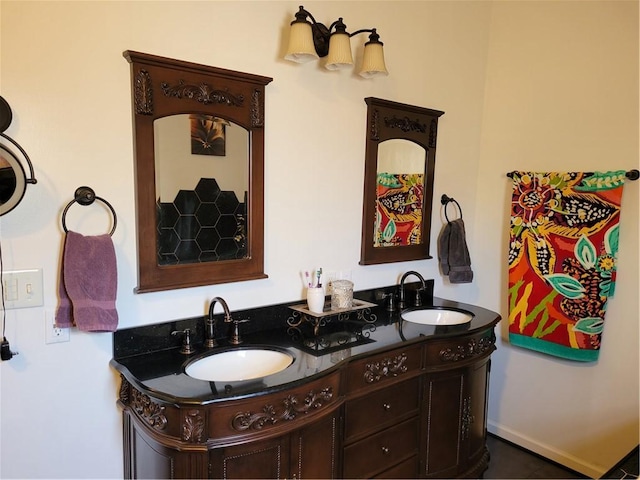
(547, 451)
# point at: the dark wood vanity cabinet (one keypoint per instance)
(415, 411)
(382, 414)
(454, 422)
(307, 452)
(454, 405)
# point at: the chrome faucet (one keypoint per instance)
(418, 300)
(210, 325)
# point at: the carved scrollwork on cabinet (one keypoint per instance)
(123, 394)
(193, 426)
(387, 367)
(470, 349)
(151, 412)
(467, 418)
(291, 408)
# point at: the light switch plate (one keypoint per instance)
(22, 288)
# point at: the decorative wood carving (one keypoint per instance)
(193, 426)
(203, 93)
(257, 109)
(405, 124)
(143, 93)
(471, 348)
(433, 133)
(388, 367)
(150, 411)
(292, 407)
(375, 128)
(467, 418)
(123, 394)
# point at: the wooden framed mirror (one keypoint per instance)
(199, 165)
(398, 181)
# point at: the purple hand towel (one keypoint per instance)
(88, 284)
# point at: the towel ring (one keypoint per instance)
(86, 196)
(446, 200)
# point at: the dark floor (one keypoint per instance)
(510, 461)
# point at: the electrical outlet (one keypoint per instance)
(53, 334)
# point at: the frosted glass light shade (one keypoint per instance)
(301, 49)
(373, 61)
(339, 52)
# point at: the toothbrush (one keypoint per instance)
(318, 274)
(306, 274)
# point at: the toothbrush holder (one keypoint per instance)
(315, 299)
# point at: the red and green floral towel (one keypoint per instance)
(562, 260)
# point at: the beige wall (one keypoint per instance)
(562, 94)
(63, 73)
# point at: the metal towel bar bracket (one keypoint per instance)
(86, 196)
(631, 174)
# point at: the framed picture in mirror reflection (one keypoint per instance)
(208, 135)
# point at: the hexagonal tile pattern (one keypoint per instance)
(201, 225)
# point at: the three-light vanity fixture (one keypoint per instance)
(311, 40)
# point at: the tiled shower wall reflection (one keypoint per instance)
(202, 225)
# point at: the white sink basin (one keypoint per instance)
(239, 364)
(437, 316)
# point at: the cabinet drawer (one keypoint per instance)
(277, 411)
(406, 469)
(383, 368)
(381, 408)
(366, 458)
(445, 352)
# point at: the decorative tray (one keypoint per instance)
(326, 311)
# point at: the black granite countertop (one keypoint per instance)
(150, 359)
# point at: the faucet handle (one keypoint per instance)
(234, 338)
(391, 303)
(417, 302)
(187, 348)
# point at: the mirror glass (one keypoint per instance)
(13, 180)
(398, 181)
(399, 193)
(199, 164)
(202, 180)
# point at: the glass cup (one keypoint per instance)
(341, 294)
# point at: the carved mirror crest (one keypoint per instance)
(398, 181)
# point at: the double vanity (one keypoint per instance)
(371, 393)
(380, 391)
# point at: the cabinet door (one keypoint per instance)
(474, 411)
(442, 423)
(259, 459)
(315, 449)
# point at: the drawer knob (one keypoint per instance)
(386, 407)
(385, 450)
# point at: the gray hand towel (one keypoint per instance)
(453, 253)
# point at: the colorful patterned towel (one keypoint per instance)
(562, 260)
(399, 199)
